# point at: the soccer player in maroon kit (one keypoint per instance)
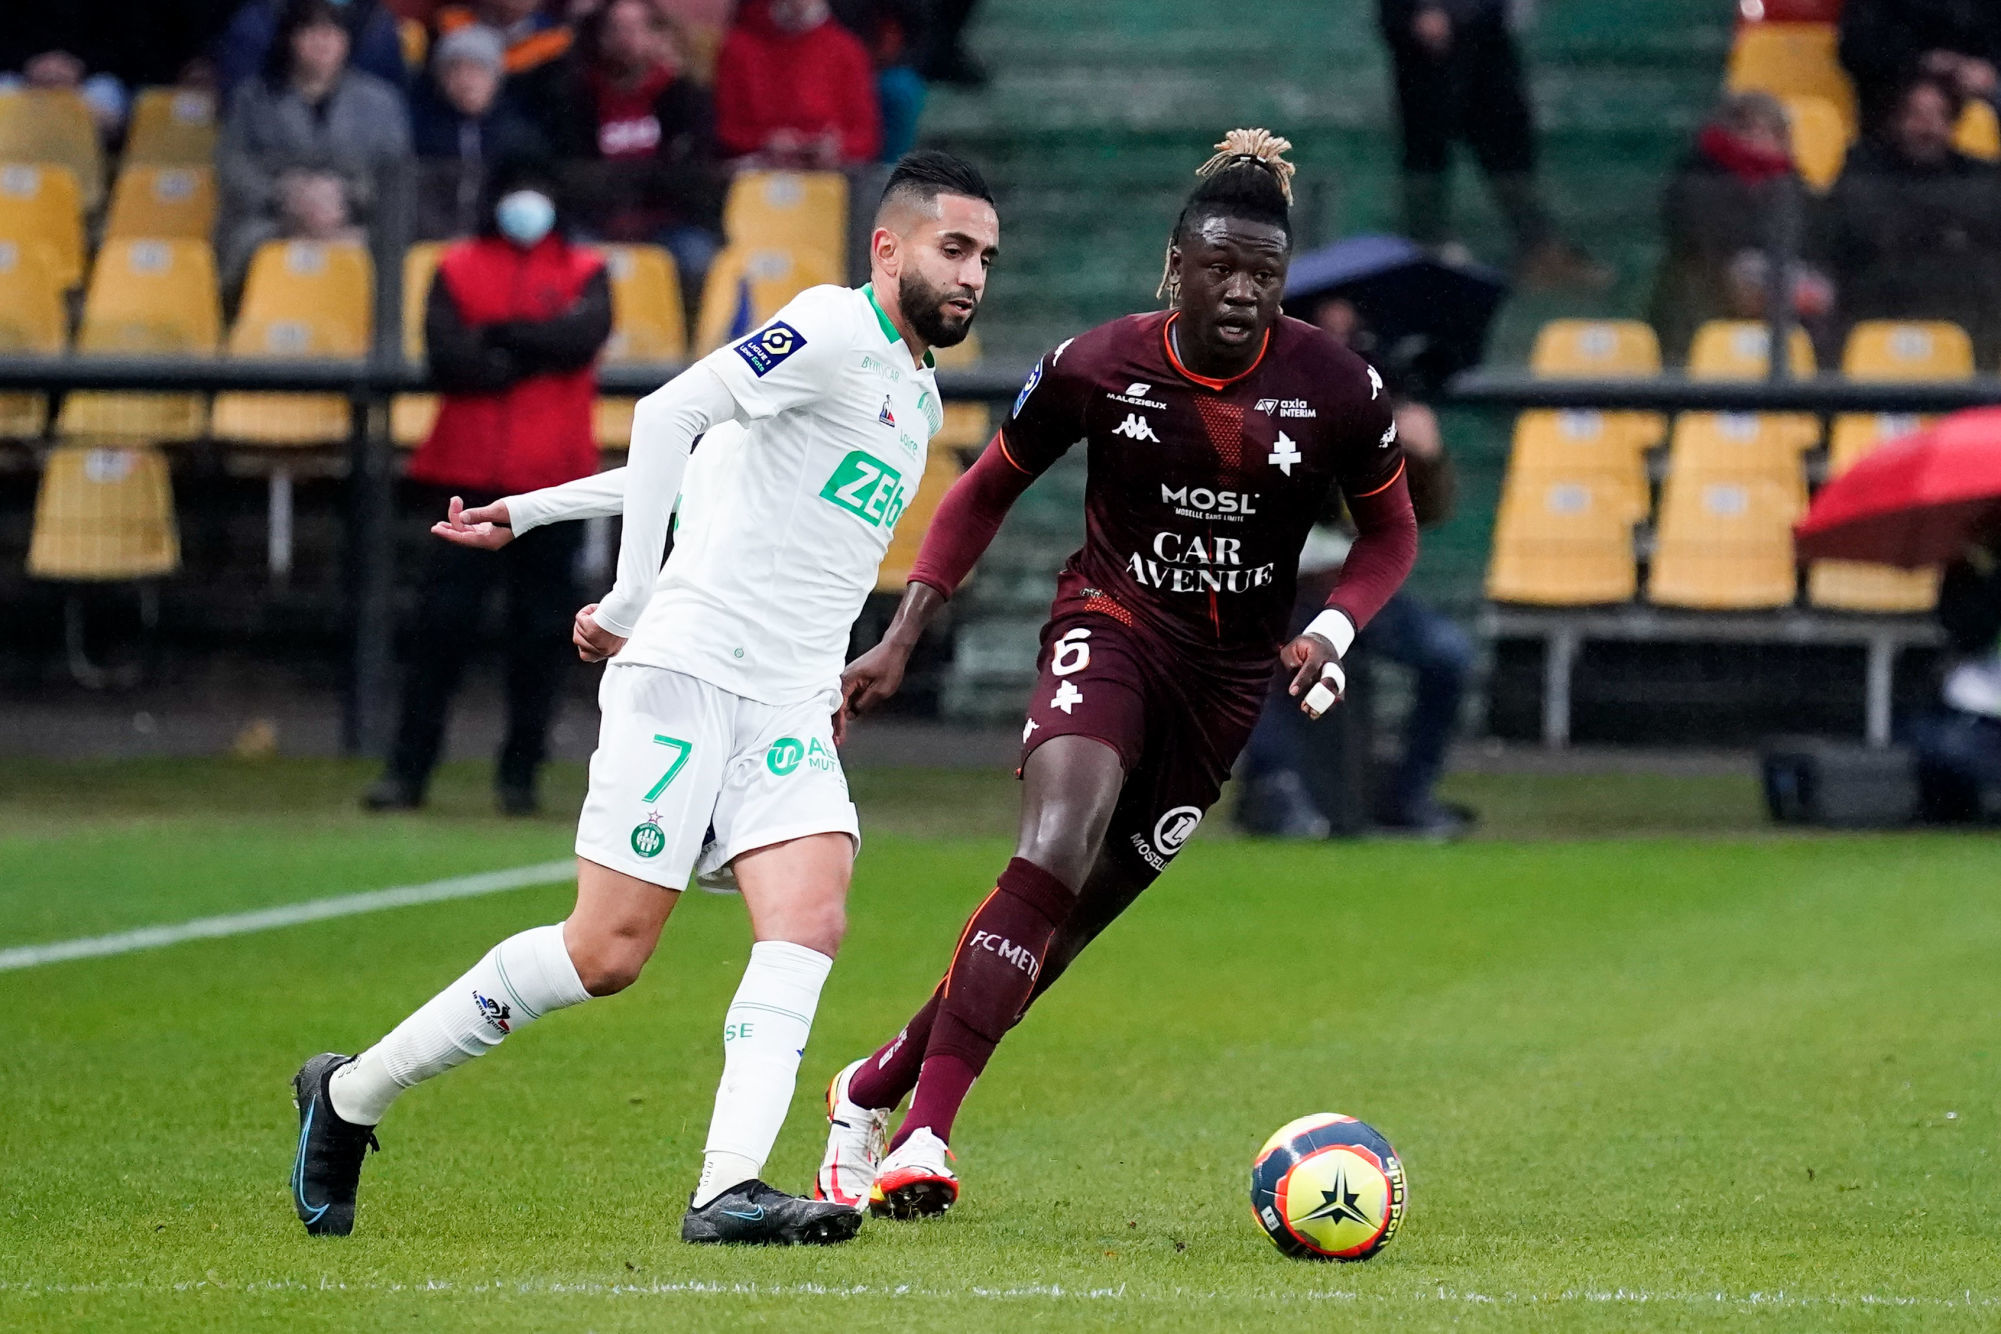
(1216, 431)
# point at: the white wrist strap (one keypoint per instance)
(1334, 626)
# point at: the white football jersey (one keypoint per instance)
(784, 519)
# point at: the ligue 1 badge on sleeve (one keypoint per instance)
(1034, 379)
(766, 349)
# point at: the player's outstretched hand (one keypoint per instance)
(484, 527)
(1318, 679)
(594, 642)
(869, 680)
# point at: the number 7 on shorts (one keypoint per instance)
(680, 749)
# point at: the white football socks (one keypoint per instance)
(764, 1035)
(521, 979)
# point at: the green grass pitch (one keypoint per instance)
(1710, 1077)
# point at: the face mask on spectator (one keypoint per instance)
(525, 216)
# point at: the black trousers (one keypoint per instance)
(1473, 94)
(536, 573)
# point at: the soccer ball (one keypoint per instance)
(1328, 1187)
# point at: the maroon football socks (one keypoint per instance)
(892, 1071)
(992, 976)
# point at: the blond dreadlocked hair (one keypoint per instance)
(1248, 177)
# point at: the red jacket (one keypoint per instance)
(511, 336)
(808, 82)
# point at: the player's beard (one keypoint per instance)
(924, 306)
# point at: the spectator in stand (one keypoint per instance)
(1884, 43)
(1913, 227)
(795, 89)
(1459, 76)
(105, 49)
(541, 81)
(1407, 631)
(514, 319)
(650, 131)
(244, 51)
(460, 127)
(890, 30)
(1959, 746)
(942, 57)
(301, 146)
(1719, 216)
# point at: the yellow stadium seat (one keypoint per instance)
(1820, 139)
(967, 426)
(1792, 59)
(1561, 543)
(1737, 446)
(42, 206)
(746, 287)
(104, 514)
(1604, 349)
(163, 202)
(53, 127)
(303, 300)
(173, 127)
(941, 469)
(648, 320)
(148, 298)
(1740, 350)
(1979, 132)
(960, 355)
(801, 212)
(1578, 446)
(1842, 585)
(611, 422)
(1724, 544)
(1907, 350)
(412, 415)
(31, 322)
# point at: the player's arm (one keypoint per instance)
(490, 527)
(1046, 420)
(1371, 472)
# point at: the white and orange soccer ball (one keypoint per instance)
(1328, 1187)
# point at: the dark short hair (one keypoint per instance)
(1248, 190)
(927, 173)
(293, 16)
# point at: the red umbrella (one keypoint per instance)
(1912, 502)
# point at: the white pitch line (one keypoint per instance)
(289, 914)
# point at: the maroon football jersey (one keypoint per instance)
(1200, 492)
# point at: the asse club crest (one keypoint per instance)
(648, 839)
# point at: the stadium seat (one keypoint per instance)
(41, 206)
(31, 322)
(151, 298)
(1820, 138)
(172, 127)
(1979, 132)
(1724, 544)
(804, 213)
(1841, 585)
(104, 514)
(53, 127)
(1792, 59)
(1738, 446)
(1580, 447)
(960, 355)
(1740, 350)
(411, 415)
(968, 426)
(303, 300)
(941, 469)
(162, 202)
(746, 287)
(1907, 350)
(1789, 11)
(1604, 349)
(1561, 543)
(648, 322)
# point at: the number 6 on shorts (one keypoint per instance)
(681, 749)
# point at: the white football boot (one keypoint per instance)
(856, 1136)
(916, 1178)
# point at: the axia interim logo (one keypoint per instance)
(1286, 407)
(789, 752)
(868, 488)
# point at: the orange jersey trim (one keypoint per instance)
(1386, 485)
(1000, 438)
(1205, 381)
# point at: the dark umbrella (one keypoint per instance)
(1427, 318)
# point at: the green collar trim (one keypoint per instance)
(888, 329)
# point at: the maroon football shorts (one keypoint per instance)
(1177, 736)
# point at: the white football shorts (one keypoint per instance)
(687, 774)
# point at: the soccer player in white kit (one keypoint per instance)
(720, 706)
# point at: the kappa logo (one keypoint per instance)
(766, 349)
(1389, 437)
(1057, 355)
(1136, 427)
(494, 1012)
(1375, 383)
